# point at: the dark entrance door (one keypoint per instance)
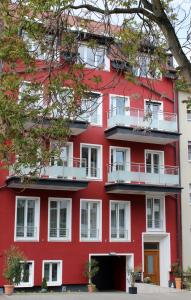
(112, 273)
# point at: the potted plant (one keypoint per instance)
(13, 268)
(177, 272)
(44, 285)
(91, 269)
(132, 276)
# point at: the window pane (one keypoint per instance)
(94, 162)
(63, 219)
(121, 220)
(46, 271)
(150, 261)
(85, 162)
(149, 212)
(148, 163)
(189, 150)
(53, 219)
(120, 105)
(31, 218)
(84, 219)
(157, 209)
(156, 163)
(114, 220)
(93, 220)
(54, 271)
(20, 218)
(26, 272)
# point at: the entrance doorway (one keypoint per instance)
(112, 273)
(151, 262)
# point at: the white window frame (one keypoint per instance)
(99, 147)
(37, 219)
(31, 276)
(188, 112)
(27, 82)
(128, 224)
(59, 272)
(189, 145)
(148, 75)
(99, 110)
(161, 153)
(128, 155)
(162, 214)
(69, 220)
(106, 58)
(99, 217)
(127, 103)
(70, 151)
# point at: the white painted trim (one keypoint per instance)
(99, 219)
(31, 282)
(128, 221)
(164, 254)
(99, 109)
(69, 211)
(37, 219)
(160, 152)
(163, 215)
(154, 101)
(128, 150)
(128, 255)
(59, 272)
(100, 159)
(127, 101)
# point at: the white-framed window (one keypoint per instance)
(90, 220)
(52, 271)
(155, 210)
(92, 108)
(37, 48)
(94, 57)
(66, 154)
(189, 150)
(119, 105)
(154, 161)
(26, 88)
(59, 219)
(190, 193)
(144, 68)
(120, 223)
(119, 158)
(27, 215)
(27, 276)
(91, 156)
(63, 102)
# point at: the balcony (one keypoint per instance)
(67, 175)
(136, 178)
(138, 125)
(61, 233)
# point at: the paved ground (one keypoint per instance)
(100, 296)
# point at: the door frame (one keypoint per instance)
(129, 262)
(164, 254)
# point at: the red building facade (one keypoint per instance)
(115, 198)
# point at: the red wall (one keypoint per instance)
(74, 254)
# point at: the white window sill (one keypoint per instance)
(25, 240)
(59, 240)
(120, 241)
(155, 230)
(23, 285)
(56, 283)
(90, 240)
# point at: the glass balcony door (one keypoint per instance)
(118, 105)
(154, 110)
(155, 213)
(119, 159)
(154, 162)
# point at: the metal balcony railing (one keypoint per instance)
(26, 231)
(72, 168)
(89, 233)
(143, 173)
(119, 233)
(155, 224)
(60, 232)
(140, 118)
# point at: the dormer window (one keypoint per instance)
(93, 57)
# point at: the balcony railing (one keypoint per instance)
(59, 233)
(26, 231)
(139, 118)
(119, 233)
(155, 224)
(89, 233)
(143, 173)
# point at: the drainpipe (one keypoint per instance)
(178, 198)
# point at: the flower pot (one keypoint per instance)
(91, 288)
(9, 289)
(132, 290)
(178, 282)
